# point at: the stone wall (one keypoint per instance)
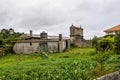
(87, 43)
(83, 43)
(112, 76)
(52, 47)
(26, 48)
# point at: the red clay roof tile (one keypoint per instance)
(113, 29)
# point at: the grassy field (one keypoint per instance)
(77, 64)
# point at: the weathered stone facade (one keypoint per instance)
(112, 76)
(77, 38)
(43, 43)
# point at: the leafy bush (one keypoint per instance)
(95, 42)
(7, 40)
(1, 43)
(107, 43)
(117, 43)
(109, 35)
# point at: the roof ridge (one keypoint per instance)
(112, 29)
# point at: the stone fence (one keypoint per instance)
(112, 76)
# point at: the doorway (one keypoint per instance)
(43, 47)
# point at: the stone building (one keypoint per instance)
(41, 43)
(77, 37)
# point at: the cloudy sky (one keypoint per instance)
(56, 16)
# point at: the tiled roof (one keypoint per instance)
(39, 40)
(113, 29)
(25, 36)
(34, 41)
(36, 38)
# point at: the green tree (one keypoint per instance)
(107, 43)
(1, 40)
(95, 42)
(1, 43)
(5, 33)
(117, 43)
(7, 39)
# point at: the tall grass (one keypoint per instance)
(77, 64)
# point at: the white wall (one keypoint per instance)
(52, 46)
(26, 48)
(63, 45)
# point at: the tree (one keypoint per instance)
(11, 31)
(5, 33)
(107, 43)
(1, 43)
(7, 39)
(95, 42)
(1, 40)
(117, 43)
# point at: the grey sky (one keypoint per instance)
(56, 16)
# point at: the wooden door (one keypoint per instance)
(43, 47)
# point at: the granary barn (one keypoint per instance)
(31, 43)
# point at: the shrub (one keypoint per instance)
(107, 43)
(7, 42)
(117, 42)
(1, 43)
(95, 42)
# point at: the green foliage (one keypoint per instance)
(1, 40)
(117, 43)
(95, 42)
(77, 64)
(102, 58)
(1, 43)
(104, 44)
(109, 35)
(7, 40)
(107, 43)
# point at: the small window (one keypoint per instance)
(77, 37)
(72, 31)
(30, 44)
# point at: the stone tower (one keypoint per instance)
(77, 38)
(76, 34)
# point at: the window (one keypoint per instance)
(72, 31)
(30, 43)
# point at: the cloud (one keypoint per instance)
(56, 16)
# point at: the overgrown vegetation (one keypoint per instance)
(7, 38)
(107, 43)
(95, 43)
(117, 43)
(77, 64)
(104, 44)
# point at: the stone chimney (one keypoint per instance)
(30, 33)
(60, 43)
(81, 27)
(60, 37)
